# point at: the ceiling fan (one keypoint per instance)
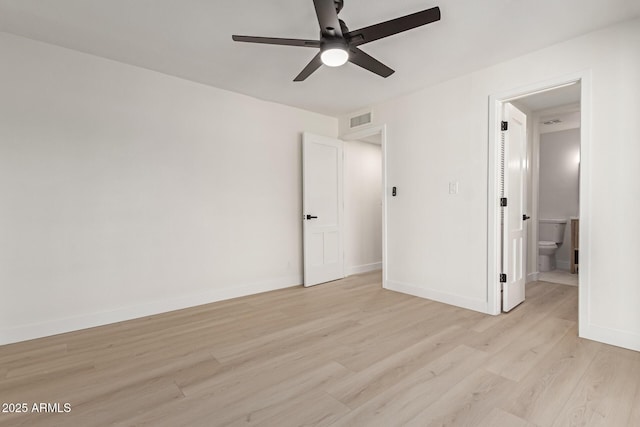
(338, 45)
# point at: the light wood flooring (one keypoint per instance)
(347, 353)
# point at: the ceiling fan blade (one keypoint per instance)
(394, 26)
(328, 18)
(276, 40)
(309, 69)
(368, 62)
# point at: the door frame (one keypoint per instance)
(493, 218)
(364, 133)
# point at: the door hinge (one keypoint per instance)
(503, 201)
(504, 125)
(503, 278)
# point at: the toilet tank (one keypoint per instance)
(551, 230)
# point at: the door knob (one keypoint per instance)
(311, 217)
(525, 217)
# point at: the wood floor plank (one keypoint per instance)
(527, 350)
(568, 309)
(377, 378)
(541, 395)
(130, 400)
(82, 386)
(305, 331)
(500, 418)
(256, 405)
(465, 402)
(44, 386)
(262, 371)
(194, 372)
(401, 402)
(346, 353)
(13, 360)
(46, 366)
(373, 345)
(605, 395)
(500, 336)
(533, 291)
(634, 416)
(320, 409)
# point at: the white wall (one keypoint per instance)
(559, 179)
(362, 206)
(437, 243)
(127, 192)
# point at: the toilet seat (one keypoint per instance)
(547, 244)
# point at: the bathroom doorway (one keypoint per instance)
(556, 111)
(554, 191)
(558, 152)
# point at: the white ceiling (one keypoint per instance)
(551, 98)
(192, 39)
(558, 109)
(565, 121)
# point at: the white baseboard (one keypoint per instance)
(532, 277)
(364, 268)
(619, 338)
(456, 300)
(69, 324)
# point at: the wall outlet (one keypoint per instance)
(453, 187)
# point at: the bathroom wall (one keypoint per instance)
(559, 178)
(362, 206)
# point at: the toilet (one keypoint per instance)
(551, 235)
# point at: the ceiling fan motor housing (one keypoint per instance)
(333, 43)
(330, 31)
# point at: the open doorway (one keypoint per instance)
(365, 200)
(556, 174)
(555, 177)
(363, 205)
(344, 228)
(559, 206)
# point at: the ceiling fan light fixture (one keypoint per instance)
(334, 56)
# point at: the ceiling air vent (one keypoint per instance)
(361, 120)
(552, 122)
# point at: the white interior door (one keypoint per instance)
(513, 231)
(322, 209)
